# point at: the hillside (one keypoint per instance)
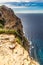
(14, 47)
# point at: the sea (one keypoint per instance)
(33, 30)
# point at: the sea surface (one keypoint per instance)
(33, 29)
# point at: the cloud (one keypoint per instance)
(37, 0)
(1, 1)
(23, 9)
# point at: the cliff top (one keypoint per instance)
(8, 20)
(14, 47)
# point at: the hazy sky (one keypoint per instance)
(23, 9)
(19, 0)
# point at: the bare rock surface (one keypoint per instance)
(9, 19)
(14, 47)
(12, 53)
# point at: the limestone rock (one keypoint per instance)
(12, 53)
(9, 19)
(13, 47)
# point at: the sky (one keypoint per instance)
(19, 0)
(23, 9)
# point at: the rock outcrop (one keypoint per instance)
(10, 20)
(14, 47)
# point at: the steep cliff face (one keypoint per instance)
(14, 47)
(11, 21)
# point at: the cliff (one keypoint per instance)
(14, 47)
(10, 20)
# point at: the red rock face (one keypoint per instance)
(10, 20)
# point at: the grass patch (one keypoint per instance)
(1, 26)
(18, 40)
(10, 31)
(18, 37)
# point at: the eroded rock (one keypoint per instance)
(9, 20)
(13, 47)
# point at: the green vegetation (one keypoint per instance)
(1, 26)
(24, 43)
(25, 39)
(18, 37)
(9, 31)
(18, 40)
(2, 22)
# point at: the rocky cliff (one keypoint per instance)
(14, 47)
(10, 20)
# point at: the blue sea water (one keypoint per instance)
(33, 28)
(37, 51)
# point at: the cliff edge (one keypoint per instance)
(14, 47)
